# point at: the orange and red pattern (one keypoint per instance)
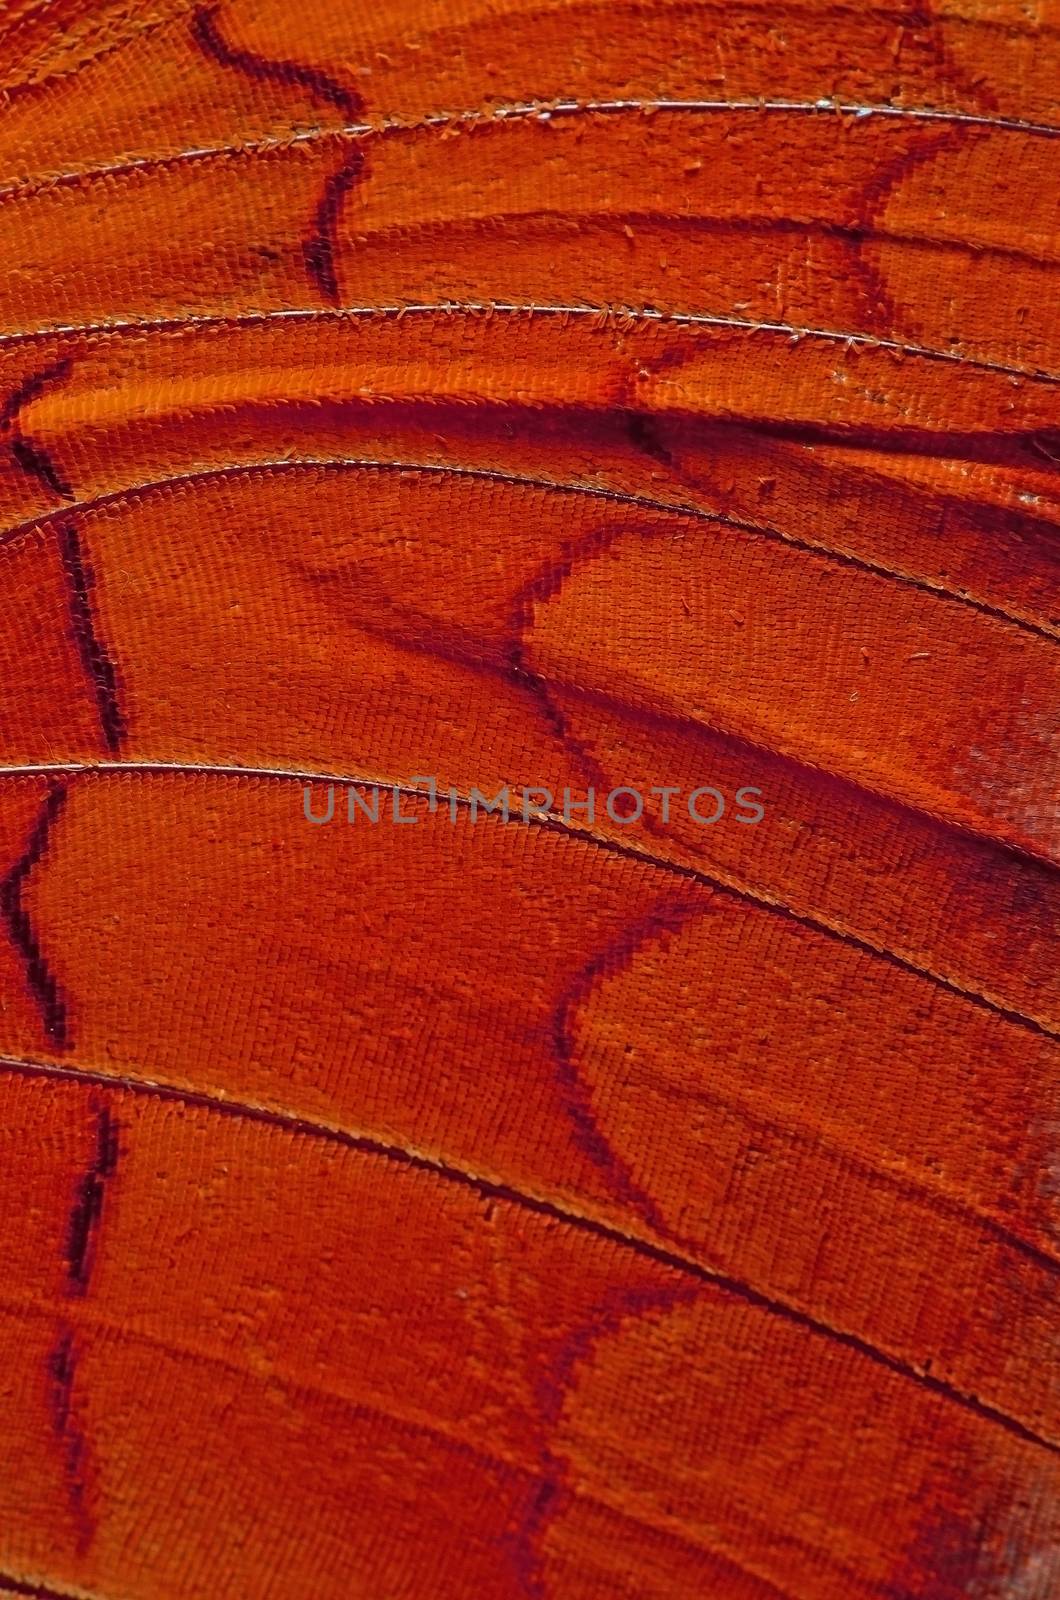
(650, 393)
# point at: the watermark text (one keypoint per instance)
(623, 805)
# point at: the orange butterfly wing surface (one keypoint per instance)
(529, 732)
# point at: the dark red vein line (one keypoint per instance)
(99, 668)
(533, 681)
(607, 963)
(723, 1283)
(541, 587)
(41, 979)
(670, 920)
(477, 660)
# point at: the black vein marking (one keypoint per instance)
(81, 1236)
(32, 457)
(29, 389)
(61, 1365)
(88, 1206)
(41, 979)
(99, 669)
(207, 36)
(62, 1370)
(318, 248)
(644, 436)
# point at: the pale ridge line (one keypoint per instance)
(486, 309)
(34, 1589)
(726, 883)
(515, 111)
